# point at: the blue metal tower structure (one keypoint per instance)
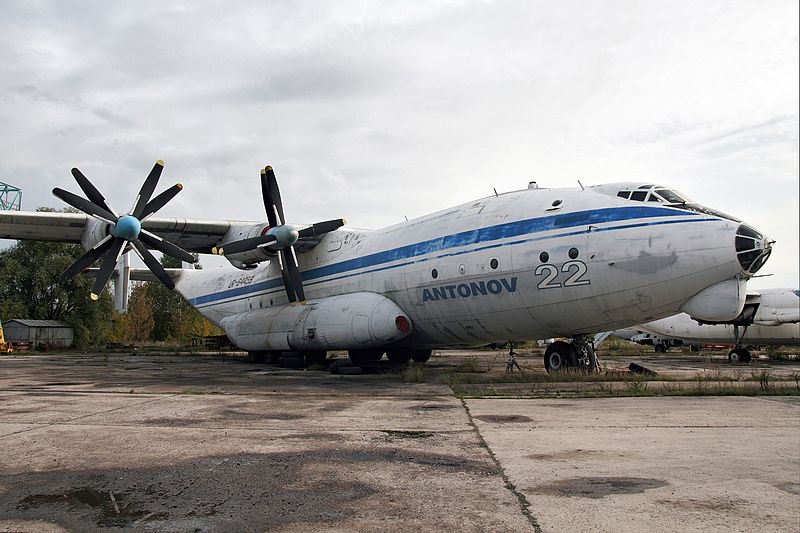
(10, 197)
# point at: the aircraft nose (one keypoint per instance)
(752, 249)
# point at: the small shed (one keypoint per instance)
(38, 332)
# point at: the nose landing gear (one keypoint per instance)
(739, 354)
(578, 354)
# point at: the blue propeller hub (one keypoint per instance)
(127, 227)
(285, 235)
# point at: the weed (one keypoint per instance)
(763, 378)
(414, 374)
(471, 366)
(636, 387)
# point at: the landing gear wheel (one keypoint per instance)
(420, 356)
(559, 356)
(363, 356)
(398, 356)
(338, 364)
(660, 348)
(739, 355)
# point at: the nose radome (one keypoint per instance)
(752, 249)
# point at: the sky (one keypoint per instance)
(376, 111)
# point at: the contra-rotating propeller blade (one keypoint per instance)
(272, 197)
(84, 205)
(321, 228)
(283, 235)
(153, 264)
(123, 230)
(160, 201)
(107, 268)
(147, 189)
(164, 246)
(245, 244)
(91, 191)
(88, 259)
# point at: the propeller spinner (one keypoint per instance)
(124, 231)
(281, 237)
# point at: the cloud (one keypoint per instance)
(379, 111)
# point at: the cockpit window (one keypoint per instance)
(624, 194)
(638, 196)
(653, 198)
(797, 292)
(670, 197)
(646, 186)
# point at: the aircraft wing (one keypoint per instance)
(61, 227)
(193, 235)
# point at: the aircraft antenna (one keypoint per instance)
(10, 197)
(495, 191)
(405, 218)
(581, 184)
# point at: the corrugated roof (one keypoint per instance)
(38, 323)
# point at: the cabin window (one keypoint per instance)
(434, 273)
(493, 263)
(543, 257)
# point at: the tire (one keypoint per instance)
(363, 356)
(420, 356)
(337, 365)
(660, 348)
(398, 356)
(559, 356)
(739, 355)
(744, 355)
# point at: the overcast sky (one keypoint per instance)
(378, 110)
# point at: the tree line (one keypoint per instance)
(31, 287)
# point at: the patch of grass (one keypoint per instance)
(414, 374)
(636, 387)
(763, 378)
(470, 366)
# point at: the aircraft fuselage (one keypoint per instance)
(535, 263)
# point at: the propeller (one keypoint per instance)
(280, 237)
(125, 232)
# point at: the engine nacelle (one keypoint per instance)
(93, 232)
(251, 258)
(348, 321)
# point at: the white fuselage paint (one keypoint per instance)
(634, 261)
(775, 322)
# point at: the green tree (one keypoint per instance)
(175, 319)
(31, 287)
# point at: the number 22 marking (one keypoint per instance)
(576, 270)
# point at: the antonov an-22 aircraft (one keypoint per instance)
(528, 264)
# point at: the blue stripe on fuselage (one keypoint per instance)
(464, 238)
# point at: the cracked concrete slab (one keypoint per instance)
(650, 464)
